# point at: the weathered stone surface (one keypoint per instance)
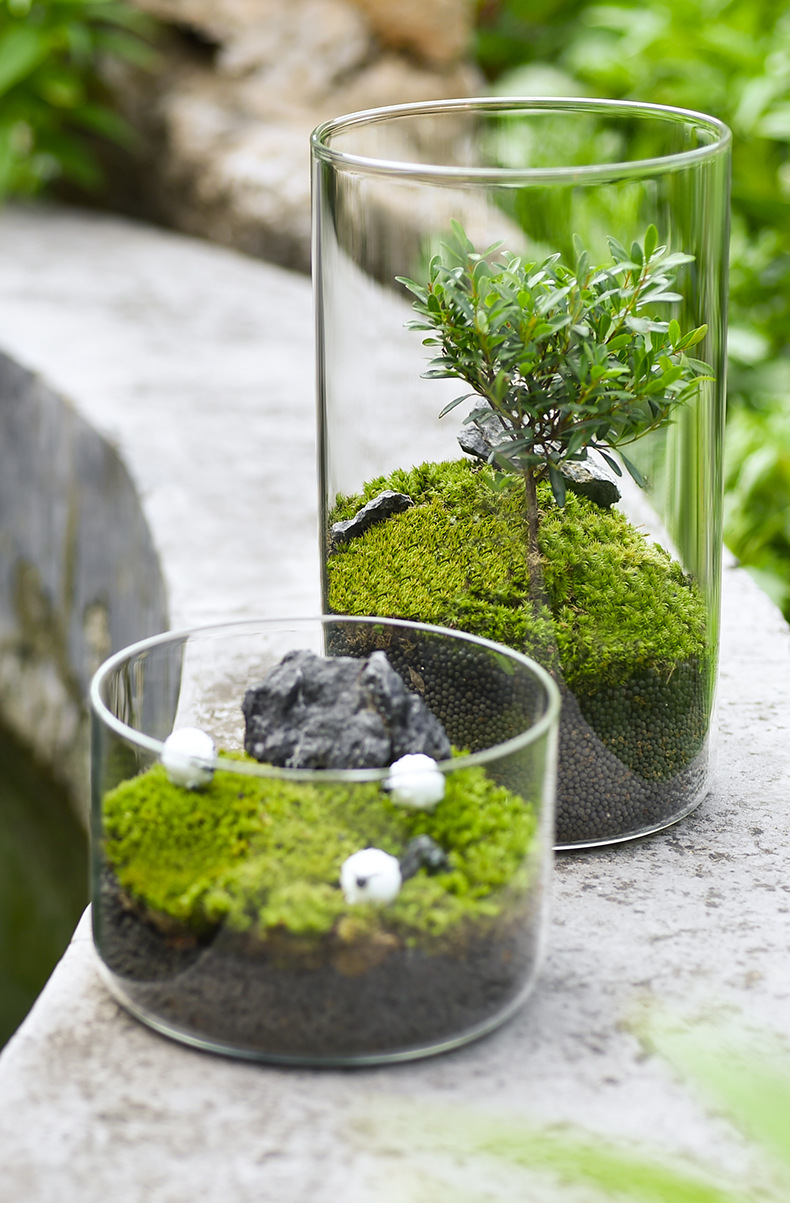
(378, 509)
(79, 576)
(226, 117)
(89, 509)
(588, 478)
(478, 437)
(337, 712)
(438, 32)
(589, 481)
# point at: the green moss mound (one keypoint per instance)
(263, 855)
(616, 605)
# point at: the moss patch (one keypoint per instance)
(616, 603)
(264, 855)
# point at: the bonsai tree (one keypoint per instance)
(567, 360)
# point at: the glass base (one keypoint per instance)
(240, 1050)
(642, 832)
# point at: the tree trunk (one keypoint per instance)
(547, 654)
(534, 566)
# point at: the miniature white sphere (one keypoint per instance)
(370, 875)
(415, 781)
(187, 755)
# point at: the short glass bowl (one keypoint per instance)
(218, 913)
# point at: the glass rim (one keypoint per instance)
(548, 718)
(497, 175)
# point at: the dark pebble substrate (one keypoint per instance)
(239, 999)
(601, 799)
(631, 759)
(479, 702)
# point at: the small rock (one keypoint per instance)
(478, 438)
(379, 509)
(423, 852)
(589, 480)
(187, 755)
(415, 781)
(337, 712)
(370, 875)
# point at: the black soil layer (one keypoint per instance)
(270, 1001)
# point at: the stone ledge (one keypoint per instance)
(94, 1107)
(79, 577)
(183, 395)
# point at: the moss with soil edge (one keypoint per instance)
(262, 856)
(615, 605)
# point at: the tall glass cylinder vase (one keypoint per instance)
(521, 317)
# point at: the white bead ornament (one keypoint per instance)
(187, 755)
(370, 875)
(415, 781)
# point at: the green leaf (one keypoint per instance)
(416, 289)
(557, 484)
(641, 326)
(22, 50)
(107, 123)
(607, 457)
(694, 337)
(6, 158)
(673, 333)
(445, 410)
(651, 242)
(634, 471)
(676, 260)
(618, 342)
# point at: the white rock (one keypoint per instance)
(415, 781)
(370, 875)
(186, 756)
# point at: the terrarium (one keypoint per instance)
(322, 841)
(520, 310)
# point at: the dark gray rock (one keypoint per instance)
(588, 480)
(478, 438)
(378, 509)
(337, 712)
(423, 852)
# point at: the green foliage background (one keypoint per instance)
(52, 97)
(729, 58)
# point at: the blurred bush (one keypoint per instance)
(53, 101)
(729, 58)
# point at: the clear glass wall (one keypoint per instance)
(225, 914)
(622, 603)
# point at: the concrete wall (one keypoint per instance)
(79, 575)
